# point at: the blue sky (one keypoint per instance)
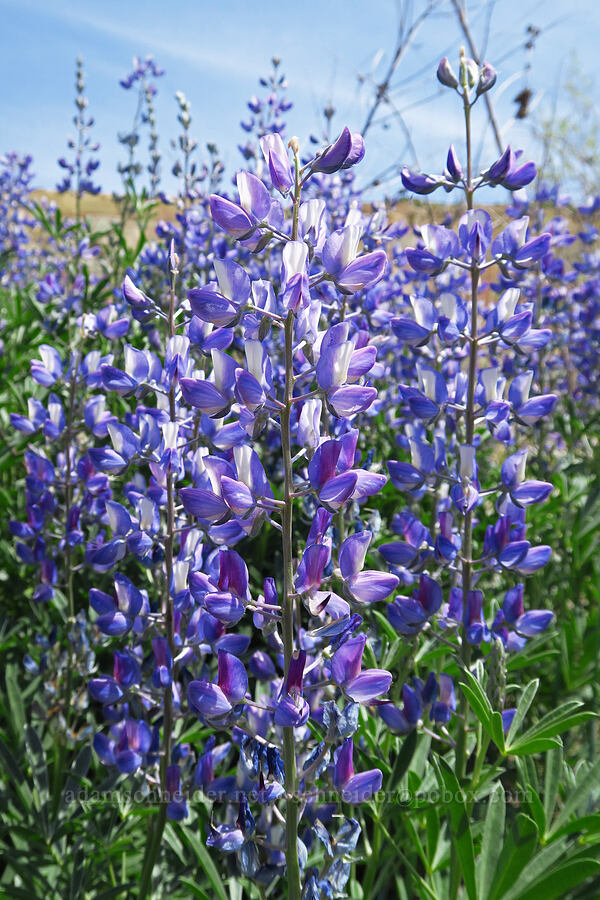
(215, 52)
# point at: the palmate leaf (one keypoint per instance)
(588, 778)
(117, 891)
(544, 734)
(75, 777)
(536, 808)
(535, 745)
(478, 699)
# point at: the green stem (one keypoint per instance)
(467, 549)
(155, 834)
(289, 748)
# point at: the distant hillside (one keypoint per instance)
(102, 209)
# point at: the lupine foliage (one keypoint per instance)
(304, 528)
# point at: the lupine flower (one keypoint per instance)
(353, 788)
(220, 304)
(292, 709)
(362, 686)
(408, 615)
(367, 586)
(347, 151)
(217, 700)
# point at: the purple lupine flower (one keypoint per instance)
(162, 676)
(143, 307)
(216, 700)
(116, 614)
(277, 160)
(507, 171)
(294, 278)
(419, 183)
(354, 788)
(177, 809)
(511, 244)
(513, 625)
(346, 151)
(368, 586)
(408, 615)
(128, 750)
(292, 710)
(440, 245)
(361, 686)
(221, 303)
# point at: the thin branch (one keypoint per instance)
(405, 37)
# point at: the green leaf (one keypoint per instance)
(536, 808)
(39, 772)
(403, 760)
(553, 771)
(460, 830)
(76, 776)
(536, 868)
(535, 745)
(481, 706)
(588, 824)
(194, 889)
(15, 702)
(523, 705)
(519, 845)
(385, 626)
(115, 891)
(559, 720)
(497, 732)
(578, 796)
(77, 857)
(478, 699)
(205, 860)
(558, 882)
(491, 846)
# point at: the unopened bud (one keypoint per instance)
(446, 75)
(497, 674)
(294, 145)
(487, 78)
(469, 71)
(173, 258)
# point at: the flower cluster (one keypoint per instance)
(277, 337)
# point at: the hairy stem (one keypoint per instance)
(467, 549)
(154, 837)
(289, 749)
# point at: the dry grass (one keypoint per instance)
(101, 209)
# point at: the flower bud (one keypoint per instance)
(469, 71)
(487, 78)
(446, 75)
(453, 166)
